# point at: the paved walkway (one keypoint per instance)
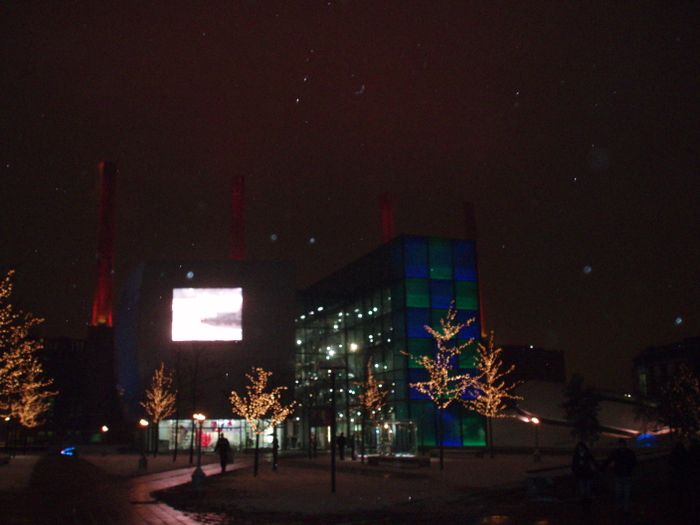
(146, 509)
(70, 491)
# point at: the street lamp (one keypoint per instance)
(143, 462)
(198, 474)
(332, 367)
(536, 423)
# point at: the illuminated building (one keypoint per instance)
(229, 317)
(376, 308)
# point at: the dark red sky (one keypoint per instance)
(573, 128)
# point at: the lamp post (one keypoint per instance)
(331, 371)
(198, 474)
(143, 462)
(536, 423)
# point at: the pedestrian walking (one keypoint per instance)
(584, 467)
(223, 447)
(623, 460)
(313, 445)
(275, 450)
(341, 441)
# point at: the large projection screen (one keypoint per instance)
(207, 314)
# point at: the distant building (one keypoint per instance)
(373, 310)
(209, 322)
(655, 365)
(65, 362)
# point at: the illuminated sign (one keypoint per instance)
(207, 314)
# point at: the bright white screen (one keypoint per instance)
(207, 314)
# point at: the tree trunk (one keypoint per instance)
(156, 435)
(440, 432)
(255, 461)
(275, 447)
(362, 441)
(177, 433)
(489, 421)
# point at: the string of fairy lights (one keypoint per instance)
(24, 389)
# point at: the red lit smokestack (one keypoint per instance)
(102, 301)
(237, 219)
(386, 210)
(470, 233)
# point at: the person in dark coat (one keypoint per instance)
(341, 441)
(223, 447)
(584, 467)
(313, 446)
(623, 460)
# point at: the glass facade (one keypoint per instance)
(237, 431)
(374, 311)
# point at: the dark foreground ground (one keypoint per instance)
(74, 491)
(300, 494)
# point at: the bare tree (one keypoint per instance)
(494, 390)
(262, 409)
(679, 404)
(24, 393)
(443, 385)
(160, 400)
(372, 400)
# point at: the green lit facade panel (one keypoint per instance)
(418, 293)
(467, 295)
(473, 431)
(440, 258)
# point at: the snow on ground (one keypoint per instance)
(16, 474)
(128, 464)
(303, 486)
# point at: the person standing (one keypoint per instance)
(275, 449)
(341, 441)
(313, 445)
(623, 460)
(584, 467)
(223, 447)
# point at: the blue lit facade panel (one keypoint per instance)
(416, 257)
(464, 256)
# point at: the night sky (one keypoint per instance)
(573, 128)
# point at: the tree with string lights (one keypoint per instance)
(493, 388)
(679, 403)
(372, 400)
(444, 385)
(260, 407)
(24, 389)
(160, 400)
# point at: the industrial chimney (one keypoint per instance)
(386, 211)
(238, 219)
(102, 301)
